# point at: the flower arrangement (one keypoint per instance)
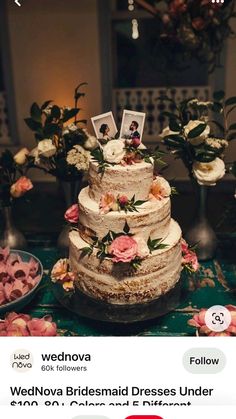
(63, 148)
(62, 274)
(13, 180)
(17, 278)
(191, 29)
(200, 141)
(123, 247)
(125, 153)
(198, 321)
(24, 325)
(189, 258)
(109, 202)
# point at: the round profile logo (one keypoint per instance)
(22, 360)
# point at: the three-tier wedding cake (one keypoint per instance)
(127, 249)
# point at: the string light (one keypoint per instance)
(135, 31)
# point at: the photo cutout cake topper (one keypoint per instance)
(132, 125)
(104, 126)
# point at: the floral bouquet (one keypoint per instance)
(16, 324)
(63, 148)
(13, 180)
(191, 29)
(200, 141)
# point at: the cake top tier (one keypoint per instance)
(129, 180)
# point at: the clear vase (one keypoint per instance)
(10, 235)
(70, 192)
(201, 233)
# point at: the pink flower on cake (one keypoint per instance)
(123, 200)
(160, 189)
(189, 257)
(124, 249)
(72, 214)
(136, 142)
(143, 249)
(107, 201)
(20, 187)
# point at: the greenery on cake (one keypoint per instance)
(124, 153)
(123, 247)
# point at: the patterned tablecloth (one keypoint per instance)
(215, 284)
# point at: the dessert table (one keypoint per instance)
(215, 284)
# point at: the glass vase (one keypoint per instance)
(70, 191)
(201, 233)
(10, 235)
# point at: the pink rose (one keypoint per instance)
(123, 200)
(189, 257)
(42, 327)
(72, 214)
(22, 185)
(136, 142)
(16, 324)
(124, 249)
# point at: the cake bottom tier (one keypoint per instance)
(118, 283)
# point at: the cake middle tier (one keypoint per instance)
(151, 220)
(130, 180)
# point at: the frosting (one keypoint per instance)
(135, 179)
(118, 283)
(151, 220)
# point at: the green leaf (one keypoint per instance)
(50, 130)
(230, 101)
(219, 125)
(35, 112)
(69, 114)
(32, 124)
(138, 203)
(46, 104)
(216, 107)
(174, 126)
(195, 132)
(126, 228)
(170, 115)
(86, 251)
(232, 126)
(219, 95)
(56, 112)
(231, 136)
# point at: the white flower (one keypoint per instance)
(21, 157)
(90, 143)
(114, 151)
(79, 158)
(46, 148)
(72, 127)
(200, 138)
(35, 153)
(47, 110)
(208, 173)
(167, 131)
(143, 249)
(217, 143)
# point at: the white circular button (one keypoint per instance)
(218, 318)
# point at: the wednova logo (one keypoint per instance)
(22, 360)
